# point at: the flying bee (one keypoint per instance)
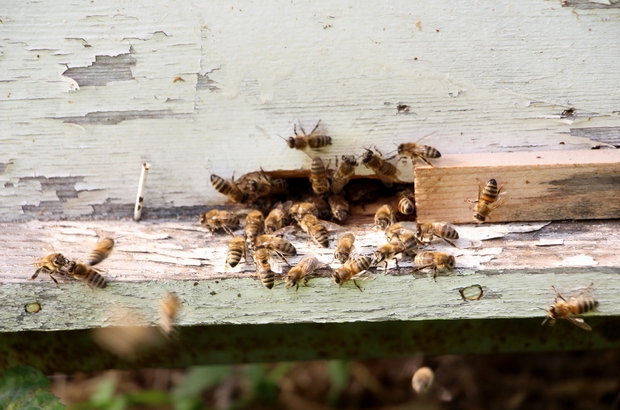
(300, 209)
(315, 229)
(387, 252)
(216, 219)
(384, 217)
(168, 309)
(344, 248)
(262, 257)
(253, 226)
(343, 174)
(352, 270)
(255, 184)
(488, 200)
(52, 263)
(426, 231)
(315, 140)
(318, 177)
(339, 206)
(304, 268)
(404, 204)
(86, 274)
(577, 305)
(434, 260)
(229, 188)
(236, 249)
(101, 251)
(414, 150)
(385, 171)
(278, 217)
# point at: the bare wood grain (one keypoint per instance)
(556, 185)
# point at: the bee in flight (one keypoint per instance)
(425, 232)
(434, 260)
(304, 268)
(343, 174)
(229, 188)
(414, 150)
(354, 270)
(563, 309)
(315, 140)
(101, 251)
(168, 308)
(51, 263)
(385, 171)
(488, 200)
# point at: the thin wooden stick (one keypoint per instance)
(137, 212)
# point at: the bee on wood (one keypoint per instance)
(385, 171)
(300, 209)
(339, 207)
(384, 217)
(414, 150)
(101, 251)
(577, 305)
(444, 231)
(276, 244)
(168, 309)
(236, 249)
(278, 217)
(353, 270)
(404, 204)
(387, 252)
(343, 174)
(86, 274)
(262, 258)
(315, 229)
(422, 380)
(344, 247)
(279, 186)
(434, 260)
(52, 263)
(229, 188)
(253, 226)
(488, 200)
(315, 140)
(255, 184)
(216, 219)
(304, 268)
(318, 177)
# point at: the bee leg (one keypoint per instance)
(435, 273)
(449, 242)
(314, 129)
(558, 295)
(37, 273)
(586, 290)
(228, 230)
(397, 267)
(427, 161)
(54, 279)
(358, 286)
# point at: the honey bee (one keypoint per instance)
(405, 236)
(577, 305)
(278, 217)
(262, 258)
(404, 204)
(315, 229)
(50, 264)
(229, 188)
(414, 150)
(255, 184)
(168, 309)
(339, 207)
(216, 219)
(422, 380)
(387, 252)
(344, 248)
(279, 186)
(101, 251)
(318, 177)
(434, 260)
(488, 200)
(304, 268)
(352, 270)
(426, 231)
(86, 274)
(253, 226)
(385, 171)
(276, 244)
(314, 140)
(300, 209)
(384, 217)
(236, 249)
(343, 174)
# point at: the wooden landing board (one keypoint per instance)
(549, 185)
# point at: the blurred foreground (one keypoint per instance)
(577, 380)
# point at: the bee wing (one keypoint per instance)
(364, 275)
(387, 180)
(330, 226)
(500, 201)
(579, 323)
(276, 267)
(426, 136)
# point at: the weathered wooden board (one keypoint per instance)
(540, 186)
(90, 92)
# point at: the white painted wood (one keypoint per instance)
(200, 87)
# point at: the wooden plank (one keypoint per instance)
(541, 186)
